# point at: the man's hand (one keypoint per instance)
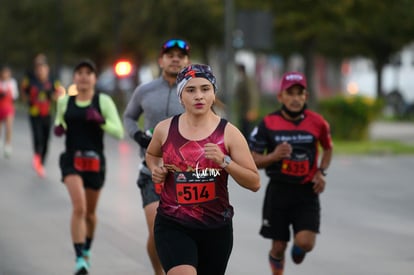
(319, 182)
(142, 139)
(282, 151)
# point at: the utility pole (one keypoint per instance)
(118, 94)
(58, 39)
(228, 73)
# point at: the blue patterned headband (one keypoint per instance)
(192, 71)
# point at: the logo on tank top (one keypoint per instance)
(181, 177)
(298, 138)
(206, 172)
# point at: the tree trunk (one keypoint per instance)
(309, 72)
(379, 66)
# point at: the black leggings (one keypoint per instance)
(40, 134)
(208, 250)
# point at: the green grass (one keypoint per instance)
(377, 147)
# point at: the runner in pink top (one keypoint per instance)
(8, 93)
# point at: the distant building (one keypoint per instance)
(359, 77)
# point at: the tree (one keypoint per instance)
(309, 28)
(26, 28)
(105, 29)
(301, 27)
(378, 30)
(337, 29)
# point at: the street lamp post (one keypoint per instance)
(228, 55)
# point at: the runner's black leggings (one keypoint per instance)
(40, 134)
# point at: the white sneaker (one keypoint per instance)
(7, 150)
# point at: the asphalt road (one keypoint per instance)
(367, 218)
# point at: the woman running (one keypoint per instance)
(193, 154)
(84, 118)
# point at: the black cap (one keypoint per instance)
(86, 63)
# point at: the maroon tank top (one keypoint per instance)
(195, 191)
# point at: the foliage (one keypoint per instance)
(338, 29)
(350, 116)
(378, 30)
(105, 29)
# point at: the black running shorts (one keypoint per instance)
(208, 250)
(286, 205)
(92, 180)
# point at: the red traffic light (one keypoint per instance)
(123, 68)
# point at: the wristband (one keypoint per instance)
(323, 171)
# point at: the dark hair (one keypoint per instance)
(4, 67)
